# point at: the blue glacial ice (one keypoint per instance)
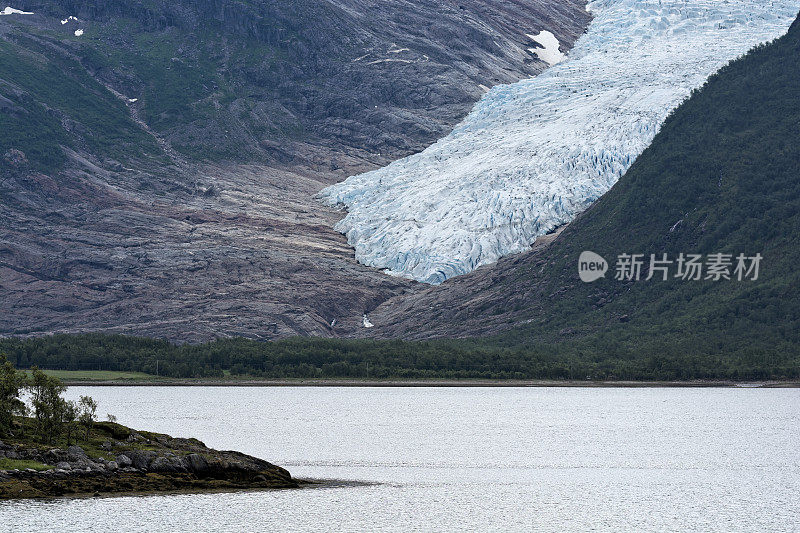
(533, 155)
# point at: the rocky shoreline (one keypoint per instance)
(128, 461)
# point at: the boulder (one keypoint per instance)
(196, 463)
(76, 453)
(63, 465)
(124, 461)
(97, 467)
(162, 464)
(54, 456)
(141, 459)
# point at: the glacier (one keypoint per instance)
(532, 155)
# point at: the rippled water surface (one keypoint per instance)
(545, 459)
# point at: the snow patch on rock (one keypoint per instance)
(11, 11)
(550, 52)
(532, 155)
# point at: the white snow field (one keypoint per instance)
(532, 155)
(11, 11)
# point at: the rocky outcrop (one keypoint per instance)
(138, 463)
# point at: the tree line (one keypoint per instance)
(667, 356)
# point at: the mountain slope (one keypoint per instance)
(722, 176)
(159, 159)
(247, 80)
(532, 155)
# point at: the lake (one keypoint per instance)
(450, 459)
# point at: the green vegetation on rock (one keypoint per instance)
(39, 457)
(53, 417)
(54, 103)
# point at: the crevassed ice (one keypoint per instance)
(532, 155)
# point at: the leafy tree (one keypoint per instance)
(48, 406)
(69, 415)
(22, 411)
(88, 413)
(11, 382)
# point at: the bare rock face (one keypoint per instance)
(175, 197)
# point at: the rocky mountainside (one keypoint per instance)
(241, 80)
(159, 160)
(721, 177)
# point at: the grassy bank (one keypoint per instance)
(77, 376)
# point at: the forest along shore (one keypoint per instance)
(167, 382)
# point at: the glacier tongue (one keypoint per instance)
(532, 155)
